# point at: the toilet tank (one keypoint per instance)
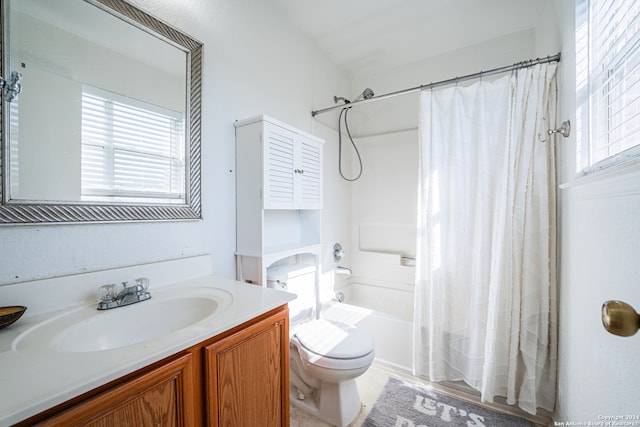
(299, 279)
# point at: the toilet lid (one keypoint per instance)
(334, 339)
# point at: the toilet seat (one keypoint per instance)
(334, 345)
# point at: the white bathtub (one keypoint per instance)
(392, 334)
(393, 299)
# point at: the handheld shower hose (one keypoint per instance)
(366, 94)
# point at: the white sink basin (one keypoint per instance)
(86, 329)
(118, 328)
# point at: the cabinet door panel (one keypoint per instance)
(310, 178)
(293, 170)
(279, 168)
(156, 407)
(246, 376)
(161, 397)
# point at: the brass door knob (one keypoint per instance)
(619, 318)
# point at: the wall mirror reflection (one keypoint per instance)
(106, 124)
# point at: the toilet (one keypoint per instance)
(325, 357)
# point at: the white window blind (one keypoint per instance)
(130, 149)
(614, 80)
(14, 147)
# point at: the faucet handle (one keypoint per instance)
(107, 292)
(142, 288)
(144, 282)
(107, 297)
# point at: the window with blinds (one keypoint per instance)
(131, 149)
(613, 37)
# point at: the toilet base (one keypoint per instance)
(336, 403)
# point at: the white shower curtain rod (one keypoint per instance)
(506, 69)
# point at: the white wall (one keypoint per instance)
(254, 62)
(599, 252)
(46, 162)
(383, 209)
(336, 212)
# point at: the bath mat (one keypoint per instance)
(402, 404)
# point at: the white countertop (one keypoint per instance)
(36, 378)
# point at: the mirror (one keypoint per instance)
(106, 126)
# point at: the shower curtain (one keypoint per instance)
(485, 306)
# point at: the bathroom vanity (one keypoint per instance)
(201, 351)
(239, 377)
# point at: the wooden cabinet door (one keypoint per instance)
(161, 397)
(248, 376)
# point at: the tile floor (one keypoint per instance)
(372, 382)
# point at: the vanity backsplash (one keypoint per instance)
(45, 295)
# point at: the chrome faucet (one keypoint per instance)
(128, 295)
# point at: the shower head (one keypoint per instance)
(366, 94)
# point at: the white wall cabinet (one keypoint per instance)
(278, 197)
(289, 173)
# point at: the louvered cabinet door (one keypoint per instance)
(279, 170)
(293, 170)
(308, 174)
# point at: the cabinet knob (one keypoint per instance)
(300, 171)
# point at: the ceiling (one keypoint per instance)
(372, 36)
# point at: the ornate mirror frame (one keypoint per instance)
(79, 212)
